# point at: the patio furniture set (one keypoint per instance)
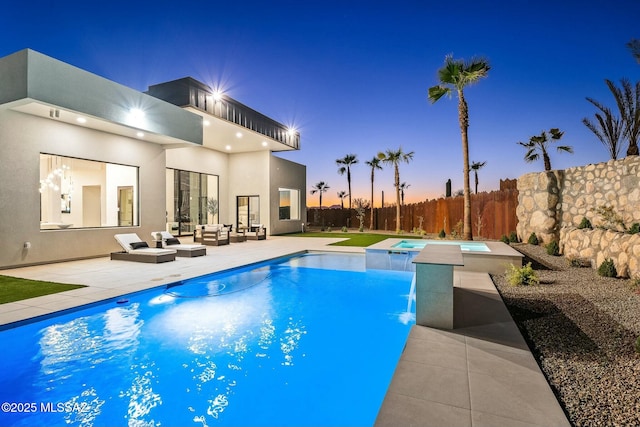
(167, 246)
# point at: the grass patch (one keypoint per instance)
(354, 239)
(16, 289)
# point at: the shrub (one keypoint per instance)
(442, 234)
(585, 223)
(553, 248)
(533, 239)
(607, 268)
(637, 345)
(525, 275)
(344, 229)
(635, 228)
(504, 239)
(513, 237)
(635, 284)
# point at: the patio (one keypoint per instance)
(481, 373)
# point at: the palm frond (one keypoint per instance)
(437, 92)
(565, 148)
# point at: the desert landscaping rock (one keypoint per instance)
(581, 328)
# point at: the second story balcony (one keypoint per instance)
(188, 92)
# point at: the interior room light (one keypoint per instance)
(206, 122)
(239, 135)
(228, 147)
(81, 120)
(264, 143)
(140, 134)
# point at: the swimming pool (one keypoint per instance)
(464, 246)
(310, 340)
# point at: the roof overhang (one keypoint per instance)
(225, 136)
(36, 84)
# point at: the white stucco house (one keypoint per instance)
(84, 158)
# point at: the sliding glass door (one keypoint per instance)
(248, 210)
(192, 199)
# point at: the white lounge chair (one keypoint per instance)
(134, 249)
(184, 250)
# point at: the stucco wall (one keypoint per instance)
(22, 138)
(286, 174)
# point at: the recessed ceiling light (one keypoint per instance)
(206, 122)
(264, 143)
(228, 147)
(140, 134)
(239, 135)
(81, 120)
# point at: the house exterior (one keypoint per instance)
(84, 158)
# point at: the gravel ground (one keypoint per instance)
(581, 328)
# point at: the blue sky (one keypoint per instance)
(352, 76)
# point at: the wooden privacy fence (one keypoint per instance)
(492, 215)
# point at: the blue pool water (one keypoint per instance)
(464, 246)
(308, 341)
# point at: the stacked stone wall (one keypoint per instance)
(552, 204)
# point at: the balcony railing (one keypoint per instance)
(191, 92)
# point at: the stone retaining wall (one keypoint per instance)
(549, 202)
(598, 245)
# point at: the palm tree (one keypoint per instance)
(342, 195)
(346, 162)
(456, 74)
(403, 187)
(539, 142)
(394, 158)
(628, 100)
(607, 128)
(475, 167)
(373, 164)
(320, 187)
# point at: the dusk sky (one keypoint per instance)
(352, 76)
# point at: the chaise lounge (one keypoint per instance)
(134, 249)
(168, 241)
(211, 235)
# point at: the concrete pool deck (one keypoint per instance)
(481, 373)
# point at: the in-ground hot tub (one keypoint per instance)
(398, 254)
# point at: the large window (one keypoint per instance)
(192, 199)
(289, 204)
(77, 193)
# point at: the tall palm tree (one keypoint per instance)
(346, 162)
(456, 74)
(475, 167)
(628, 100)
(539, 143)
(394, 158)
(342, 195)
(403, 187)
(320, 187)
(373, 164)
(607, 128)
